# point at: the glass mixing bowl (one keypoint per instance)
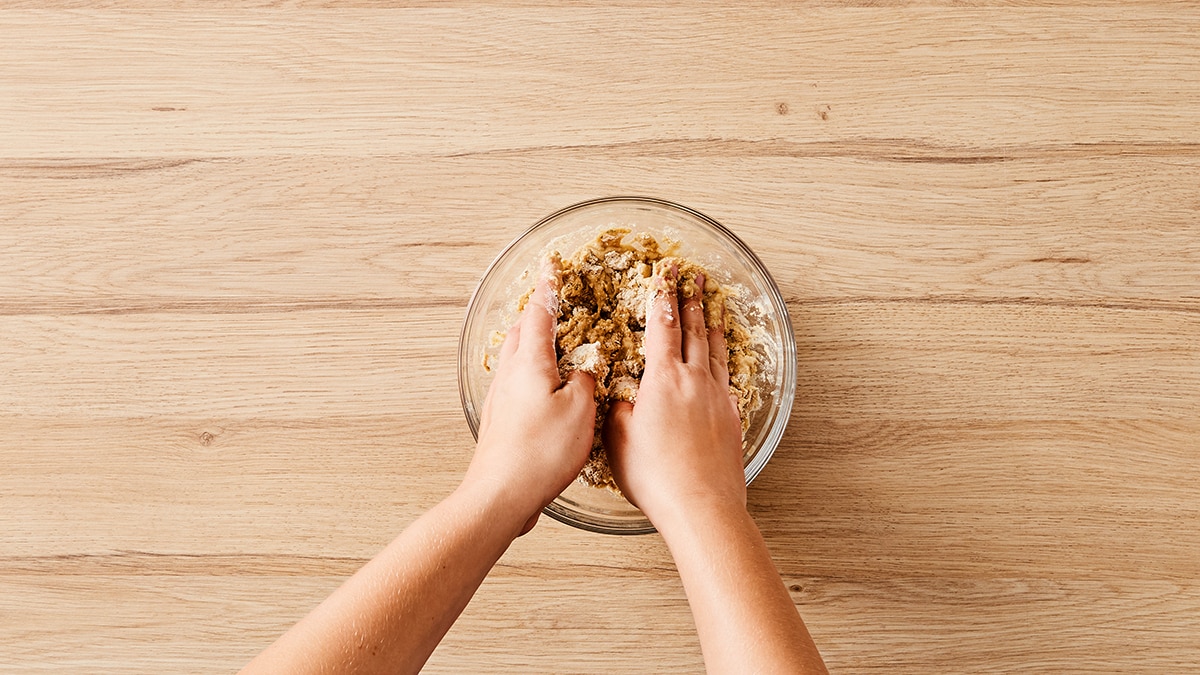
(703, 240)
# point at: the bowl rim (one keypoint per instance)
(788, 357)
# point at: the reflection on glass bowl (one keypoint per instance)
(493, 308)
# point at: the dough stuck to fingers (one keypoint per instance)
(605, 291)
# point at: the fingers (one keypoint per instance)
(695, 335)
(616, 442)
(616, 423)
(615, 432)
(540, 317)
(582, 380)
(718, 353)
(662, 322)
(509, 346)
(580, 388)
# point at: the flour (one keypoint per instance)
(603, 292)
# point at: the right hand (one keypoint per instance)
(680, 445)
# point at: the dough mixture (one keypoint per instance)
(606, 288)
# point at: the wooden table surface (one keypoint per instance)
(236, 246)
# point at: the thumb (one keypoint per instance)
(580, 380)
(616, 425)
(615, 436)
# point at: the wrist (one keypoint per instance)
(506, 505)
(695, 511)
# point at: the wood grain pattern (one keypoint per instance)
(236, 246)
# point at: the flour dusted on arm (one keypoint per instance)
(606, 287)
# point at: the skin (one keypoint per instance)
(676, 454)
(535, 435)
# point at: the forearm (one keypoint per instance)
(391, 614)
(744, 615)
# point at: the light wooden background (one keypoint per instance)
(236, 246)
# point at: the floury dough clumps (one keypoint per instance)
(607, 286)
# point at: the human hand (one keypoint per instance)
(535, 430)
(680, 444)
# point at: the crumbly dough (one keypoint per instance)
(606, 287)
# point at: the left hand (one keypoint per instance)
(536, 430)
